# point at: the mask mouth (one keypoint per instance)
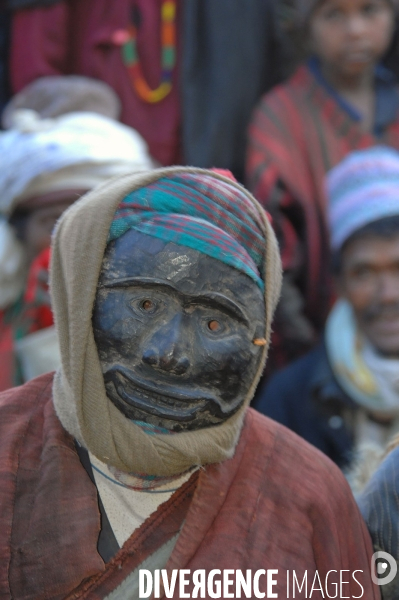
(181, 404)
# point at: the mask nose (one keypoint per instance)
(167, 350)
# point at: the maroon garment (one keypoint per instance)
(7, 354)
(278, 504)
(76, 36)
(298, 133)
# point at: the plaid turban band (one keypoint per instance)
(200, 212)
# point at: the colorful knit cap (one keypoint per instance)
(200, 212)
(363, 188)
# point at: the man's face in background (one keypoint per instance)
(174, 330)
(369, 280)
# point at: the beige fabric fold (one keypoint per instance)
(79, 394)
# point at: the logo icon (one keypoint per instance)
(380, 561)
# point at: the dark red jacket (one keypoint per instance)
(76, 36)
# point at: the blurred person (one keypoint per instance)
(140, 452)
(188, 73)
(339, 100)
(132, 45)
(345, 392)
(47, 164)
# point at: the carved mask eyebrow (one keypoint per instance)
(214, 298)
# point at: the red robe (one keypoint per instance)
(77, 36)
(277, 504)
(298, 133)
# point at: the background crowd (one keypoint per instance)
(298, 98)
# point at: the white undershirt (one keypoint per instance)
(127, 509)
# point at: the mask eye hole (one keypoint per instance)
(147, 305)
(214, 325)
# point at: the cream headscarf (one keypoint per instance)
(79, 394)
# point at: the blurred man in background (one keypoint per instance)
(47, 164)
(346, 391)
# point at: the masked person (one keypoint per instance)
(131, 45)
(339, 100)
(345, 393)
(47, 164)
(141, 451)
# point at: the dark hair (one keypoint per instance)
(385, 228)
(18, 220)
(295, 29)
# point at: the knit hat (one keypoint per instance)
(57, 95)
(74, 151)
(363, 188)
(79, 393)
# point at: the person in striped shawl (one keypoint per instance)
(339, 100)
